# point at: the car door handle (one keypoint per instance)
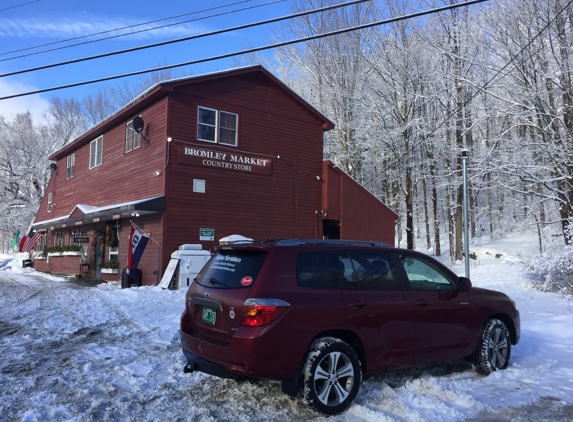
(359, 304)
(421, 302)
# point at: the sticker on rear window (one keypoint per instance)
(247, 280)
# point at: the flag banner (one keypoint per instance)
(32, 242)
(16, 239)
(16, 242)
(21, 245)
(138, 244)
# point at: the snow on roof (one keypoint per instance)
(90, 209)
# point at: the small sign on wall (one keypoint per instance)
(207, 234)
(82, 239)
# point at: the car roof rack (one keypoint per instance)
(330, 242)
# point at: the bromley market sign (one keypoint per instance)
(224, 160)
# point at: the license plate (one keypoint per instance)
(209, 316)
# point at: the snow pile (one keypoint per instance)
(102, 353)
(555, 267)
(14, 263)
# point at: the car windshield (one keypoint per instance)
(231, 269)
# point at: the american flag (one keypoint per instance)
(31, 241)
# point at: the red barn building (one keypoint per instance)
(232, 152)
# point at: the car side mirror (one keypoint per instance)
(465, 284)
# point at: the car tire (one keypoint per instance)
(494, 348)
(331, 376)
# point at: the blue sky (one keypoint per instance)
(47, 21)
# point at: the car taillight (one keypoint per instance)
(258, 312)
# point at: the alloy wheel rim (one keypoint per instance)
(498, 348)
(334, 378)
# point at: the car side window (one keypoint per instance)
(368, 271)
(318, 270)
(425, 275)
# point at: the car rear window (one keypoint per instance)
(232, 269)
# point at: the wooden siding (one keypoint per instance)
(151, 261)
(121, 177)
(361, 215)
(272, 122)
(254, 205)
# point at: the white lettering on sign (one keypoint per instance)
(205, 154)
(248, 160)
(225, 161)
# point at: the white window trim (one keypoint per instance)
(113, 252)
(216, 124)
(50, 202)
(70, 166)
(236, 127)
(93, 144)
(135, 139)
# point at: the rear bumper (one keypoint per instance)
(254, 352)
(197, 363)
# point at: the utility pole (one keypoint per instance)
(465, 205)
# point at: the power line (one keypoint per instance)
(118, 29)
(192, 37)
(19, 5)
(252, 50)
(133, 32)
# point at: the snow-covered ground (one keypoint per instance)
(76, 353)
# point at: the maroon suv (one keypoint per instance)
(317, 315)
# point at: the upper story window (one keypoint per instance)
(71, 166)
(49, 202)
(96, 149)
(217, 126)
(132, 138)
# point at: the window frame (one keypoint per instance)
(199, 123)
(132, 138)
(50, 198)
(59, 238)
(236, 129)
(75, 233)
(365, 269)
(113, 253)
(70, 166)
(94, 153)
(312, 276)
(427, 285)
(217, 127)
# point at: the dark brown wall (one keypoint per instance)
(361, 215)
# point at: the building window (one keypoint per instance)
(71, 166)
(207, 124)
(217, 126)
(132, 138)
(59, 239)
(228, 128)
(49, 202)
(75, 233)
(96, 148)
(112, 253)
(43, 243)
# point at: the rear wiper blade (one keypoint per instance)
(215, 281)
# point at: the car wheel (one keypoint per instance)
(331, 376)
(494, 348)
